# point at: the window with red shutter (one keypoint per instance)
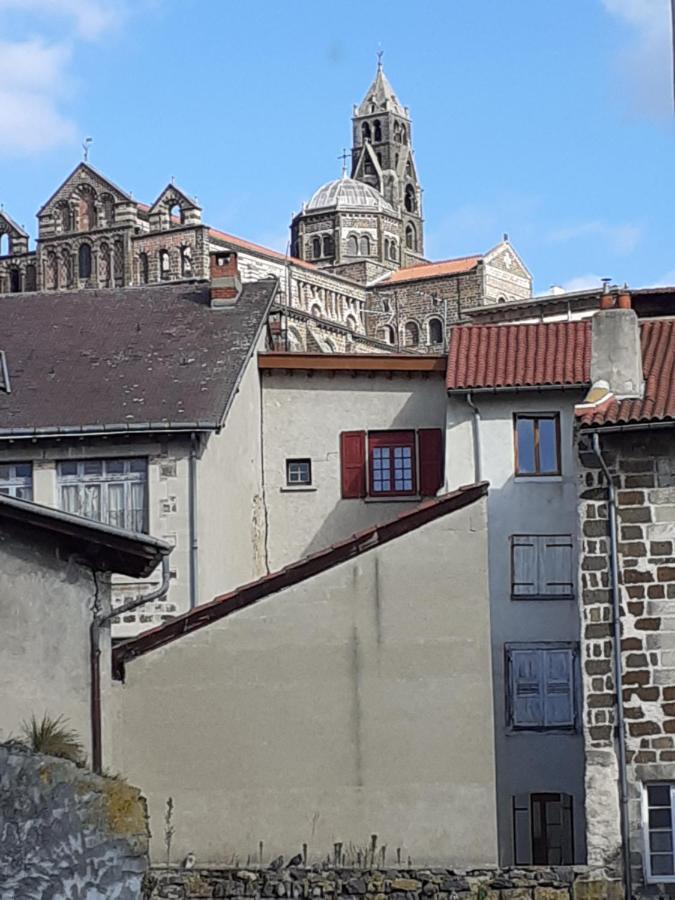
(392, 463)
(431, 460)
(353, 464)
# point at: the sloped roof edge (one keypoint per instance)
(295, 573)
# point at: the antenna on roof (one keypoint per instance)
(85, 146)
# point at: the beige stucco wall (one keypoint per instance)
(45, 611)
(303, 417)
(357, 702)
(230, 510)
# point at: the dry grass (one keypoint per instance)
(53, 738)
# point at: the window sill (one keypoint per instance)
(546, 598)
(297, 489)
(536, 479)
(569, 730)
(404, 498)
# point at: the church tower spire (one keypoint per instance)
(382, 156)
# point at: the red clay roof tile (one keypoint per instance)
(433, 270)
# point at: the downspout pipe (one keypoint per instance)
(194, 536)
(616, 626)
(97, 622)
(475, 425)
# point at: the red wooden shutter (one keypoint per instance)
(431, 460)
(353, 464)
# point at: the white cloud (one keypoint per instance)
(644, 65)
(620, 238)
(582, 283)
(89, 18)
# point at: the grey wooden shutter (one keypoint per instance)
(527, 688)
(523, 565)
(522, 841)
(559, 688)
(555, 565)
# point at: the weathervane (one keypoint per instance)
(85, 146)
(380, 54)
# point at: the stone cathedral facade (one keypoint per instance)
(356, 280)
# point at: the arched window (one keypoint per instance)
(118, 263)
(104, 265)
(31, 278)
(108, 207)
(352, 245)
(351, 323)
(501, 299)
(377, 131)
(386, 334)
(410, 237)
(66, 277)
(4, 244)
(435, 331)
(316, 248)
(315, 311)
(393, 251)
(143, 268)
(51, 271)
(14, 280)
(408, 169)
(365, 132)
(412, 334)
(175, 215)
(63, 220)
(185, 262)
(86, 209)
(365, 245)
(327, 245)
(84, 261)
(164, 265)
(410, 200)
(387, 248)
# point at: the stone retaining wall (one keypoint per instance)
(564, 883)
(66, 833)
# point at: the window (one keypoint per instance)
(327, 245)
(14, 281)
(541, 566)
(409, 201)
(365, 132)
(391, 463)
(185, 262)
(316, 247)
(659, 822)
(84, 261)
(176, 217)
(537, 439)
(143, 268)
(164, 265)
(541, 686)
(410, 237)
(31, 277)
(386, 334)
(543, 830)
(365, 245)
(412, 334)
(112, 491)
(352, 245)
(435, 331)
(298, 472)
(16, 480)
(377, 131)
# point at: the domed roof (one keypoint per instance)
(346, 193)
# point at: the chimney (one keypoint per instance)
(616, 358)
(225, 280)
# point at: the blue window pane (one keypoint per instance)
(662, 865)
(659, 795)
(548, 446)
(525, 439)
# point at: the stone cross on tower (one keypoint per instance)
(344, 156)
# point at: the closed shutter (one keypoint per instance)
(527, 688)
(556, 565)
(559, 681)
(353, 464)
(430, 442)
(524, 552)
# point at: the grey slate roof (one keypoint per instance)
(154, 357)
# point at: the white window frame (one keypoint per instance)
(540, 544)
(298, 461)
(542, 648)
(127, 478)
(17, 485)
(657, 879)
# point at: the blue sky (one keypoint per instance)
(547, 119)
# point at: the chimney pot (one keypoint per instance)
(624, 300)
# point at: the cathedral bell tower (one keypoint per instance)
(382, 157)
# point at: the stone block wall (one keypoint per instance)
(67, 833)
(643, 466)
(358, 883)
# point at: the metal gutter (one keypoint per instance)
(193, 524)
(616, 628)
(519, 388)
(634, 426)
(103, 431)
(475, 422)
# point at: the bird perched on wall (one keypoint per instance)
(294, 861)
(189, 861)
(277, 864)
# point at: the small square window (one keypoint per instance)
(659, 828)
(298, 472)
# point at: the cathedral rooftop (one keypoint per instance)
(380, 97)
(346, 193)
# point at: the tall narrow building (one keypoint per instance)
(369, 223)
